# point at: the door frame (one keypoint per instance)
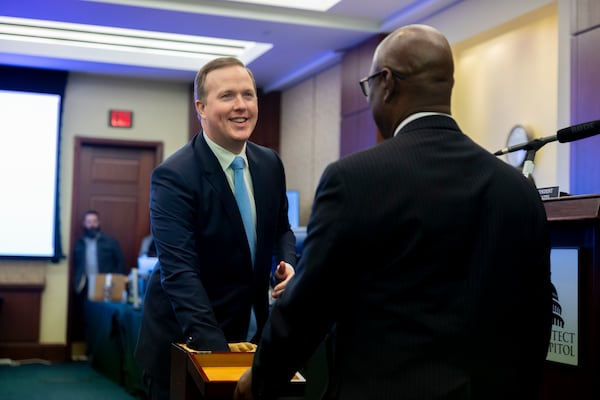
(80, 142)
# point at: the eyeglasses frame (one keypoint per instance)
(364, 82)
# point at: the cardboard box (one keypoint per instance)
(115, 284)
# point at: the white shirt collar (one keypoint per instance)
(224, 156)
(415, 116)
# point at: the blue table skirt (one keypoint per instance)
(111, 334)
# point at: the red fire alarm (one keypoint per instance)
(120, 119)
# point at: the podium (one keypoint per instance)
(213, 376)
(575, 223)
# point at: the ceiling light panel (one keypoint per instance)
(122, 46)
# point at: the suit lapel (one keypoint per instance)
(216, 178)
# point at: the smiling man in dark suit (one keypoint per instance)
(428, 254)
(210, 287)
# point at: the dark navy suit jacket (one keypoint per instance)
(431, 257)
(203, 287)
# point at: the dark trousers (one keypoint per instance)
(158, 389)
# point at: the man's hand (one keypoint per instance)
(283, 273)
(243, 389)
(242, 347)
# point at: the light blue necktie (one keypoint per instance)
(243, 202)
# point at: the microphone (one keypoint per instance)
(579, 131)
(564, 135)
(534, 144)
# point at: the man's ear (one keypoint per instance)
(389, 86)
(200, 108)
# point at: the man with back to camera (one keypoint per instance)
(209, 289)
(429, 255)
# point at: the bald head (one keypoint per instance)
(423, 56)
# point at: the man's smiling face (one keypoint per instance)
(230, 111)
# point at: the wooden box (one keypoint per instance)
(206, 375)
(115, 284)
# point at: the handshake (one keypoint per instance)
(242, 347)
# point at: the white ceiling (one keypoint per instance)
(304, 42)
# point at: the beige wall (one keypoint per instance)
(508, 76)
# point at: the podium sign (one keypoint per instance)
(573, 359)
(563, 346)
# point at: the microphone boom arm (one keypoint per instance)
(569, 134)
(534, 145)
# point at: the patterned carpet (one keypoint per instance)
(38, 379)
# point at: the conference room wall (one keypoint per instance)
(160, 113)
(310, 133)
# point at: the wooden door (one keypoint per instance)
(113, 178)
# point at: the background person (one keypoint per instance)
(95, 253)
(206, 291)
(429, 254)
